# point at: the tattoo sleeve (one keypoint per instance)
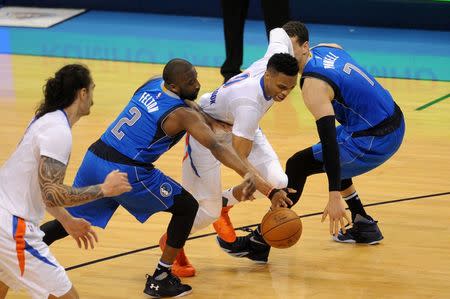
(55, 193)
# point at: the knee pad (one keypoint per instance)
(303, 164)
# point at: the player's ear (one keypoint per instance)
(305, 47)
(174, 88)
(82, 93)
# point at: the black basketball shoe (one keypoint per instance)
(170, 286)
(364, 230)
(251, 246)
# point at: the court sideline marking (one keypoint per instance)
(246, 227)
(432, 102)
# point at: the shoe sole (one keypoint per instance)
(240, 254)
(180, 295)
(237, 255)
(353, 241)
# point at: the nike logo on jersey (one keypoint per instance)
(149, 102)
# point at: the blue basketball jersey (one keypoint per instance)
(137, 132)
(360, 101)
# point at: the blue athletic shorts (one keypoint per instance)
(152, 191)
(359, 155)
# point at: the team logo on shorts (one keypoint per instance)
(165, 189)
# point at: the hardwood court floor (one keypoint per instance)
(412, 262)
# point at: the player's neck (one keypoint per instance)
(72, 114)
(304, 61)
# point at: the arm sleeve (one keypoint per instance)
(246, 121)
(55, 142)
(327, 133)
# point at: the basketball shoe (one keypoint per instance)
(364, 230)
(169, 286)
(181, 267)
(251, 246)
(224, 227)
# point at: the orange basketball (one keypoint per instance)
(281, 228)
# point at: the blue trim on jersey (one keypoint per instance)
(65, 114)
(261, 83)
(236, 79)
(37, 255)
(189, 150)
(28, 247)
(15, 222)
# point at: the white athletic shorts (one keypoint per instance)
(26, 261)
(202, 175)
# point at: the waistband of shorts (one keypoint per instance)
(387, 126)
(108, 153)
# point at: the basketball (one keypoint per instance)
(281, 228)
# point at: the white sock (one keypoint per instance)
(228, 194)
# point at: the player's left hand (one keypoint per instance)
(81, 231)
(335, 209)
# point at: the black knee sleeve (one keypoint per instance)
(183, 211)
(298, 167)
(345, 183)
(53, 231)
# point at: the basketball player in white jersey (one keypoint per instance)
(31, 181)
(241, 102)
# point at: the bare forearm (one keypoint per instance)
(55, 193)
(208, 119)
(64, 196)
(59, 213)
(228, 157)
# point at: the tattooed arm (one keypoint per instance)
(56, 194)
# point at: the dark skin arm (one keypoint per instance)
(216, 125)
(191, 121)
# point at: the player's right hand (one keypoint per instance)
(115, 184)
(81, 231)
(280, 199)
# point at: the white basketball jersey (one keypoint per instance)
(20, 193)
(241, 101)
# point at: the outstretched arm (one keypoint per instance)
(215, 125)
(318, 95)
(192, 122)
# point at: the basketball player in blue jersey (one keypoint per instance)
(154, 120)
(371, 130)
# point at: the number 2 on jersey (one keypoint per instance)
(348, 67)
(136, 114)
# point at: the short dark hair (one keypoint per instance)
(298, 29)
(174, 68)
(60, 91)
(283, 63)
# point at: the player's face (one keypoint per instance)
(87, 99)
(279, 85)
(190, 86)
(301, 52)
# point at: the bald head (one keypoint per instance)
(180, 77)
(174, 69)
